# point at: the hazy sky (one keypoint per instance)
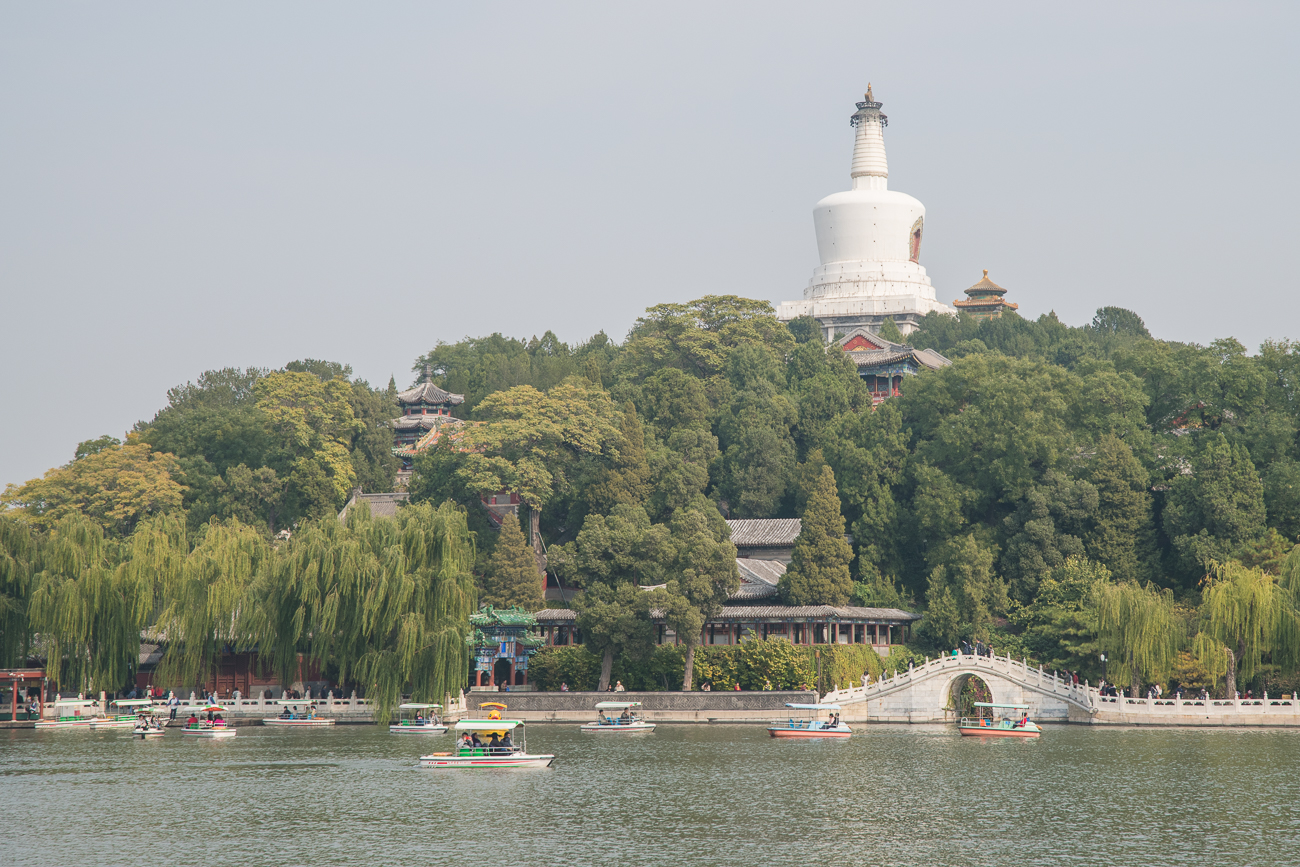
(193, 186)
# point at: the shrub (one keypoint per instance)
(574, 665)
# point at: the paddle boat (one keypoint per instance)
(809, 724)
(147, 726)
(298, 713)
(474, 747)
(627, 721)
(70, 713)
(418, 719)
(197, 727)
(128, 710)
(1008, 726)
(492, 709)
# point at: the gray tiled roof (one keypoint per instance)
(418, 422)
(812, 612)
(427, 392)
(872, 357)
(764, 532)
(746, 613)
(381, 505)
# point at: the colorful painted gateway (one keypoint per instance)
(1007, 726)
(487, 743)
(809, 724)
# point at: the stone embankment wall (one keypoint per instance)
(667, 707)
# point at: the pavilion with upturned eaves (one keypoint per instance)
(984, 300)
(882, 364)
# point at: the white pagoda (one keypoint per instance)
(869, 241)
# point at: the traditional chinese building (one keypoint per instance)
(424, 408)
(984, 300)
(754, 611)
(502, 640)
(882, 364)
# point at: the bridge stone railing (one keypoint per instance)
(1016, 671)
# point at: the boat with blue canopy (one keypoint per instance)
(628, 718)
(415, 718)
(808, 722)
(987, 723)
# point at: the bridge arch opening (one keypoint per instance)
(964, 691)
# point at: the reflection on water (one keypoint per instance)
(685, 795)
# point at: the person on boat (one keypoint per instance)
(467, 743)
(285, 714)
(494, 745)
(476, 741)
(506, 744)
(192, 722)
(209, 716)
(625, 717)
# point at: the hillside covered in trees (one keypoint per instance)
(1057, 491)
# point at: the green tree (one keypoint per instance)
(116, 487)
(511, 574)
(1059, 626)
(612, 557)
(90, 602)
(889, 331)
(1244, 615)
(819, 567)
(626, 477)
(18, 552)
(385, 600)
(1218, 508)
(1138, 630)
(530, 440)
(703, 574)
(1045, 531)
(1120, 535)
(964, 593)
(315, 424)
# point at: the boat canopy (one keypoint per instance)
(616, 705)
(492, 704)
(215, 708)
(1005, 706)
(416, 706)
(132, 702)
(813, 706)
(297, 701)
(487, 725)
(73, 702)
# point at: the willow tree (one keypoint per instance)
(1245, 614)
(1137, 629)
(89, 604)
(17, 553)
(207, 598)
(385, 600)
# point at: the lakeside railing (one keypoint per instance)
(351, 708)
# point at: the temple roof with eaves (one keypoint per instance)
(428, 394)
(985, 287)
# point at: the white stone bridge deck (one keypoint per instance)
(928, 693)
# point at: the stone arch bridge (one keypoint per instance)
(927, 693)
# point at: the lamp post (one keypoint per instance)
(1103, 666)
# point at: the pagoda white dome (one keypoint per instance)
(869, 244)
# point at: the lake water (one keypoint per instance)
(685, 795)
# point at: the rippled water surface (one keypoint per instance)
(685, 795)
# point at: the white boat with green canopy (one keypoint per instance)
(125, 718)
(618, 716)
(488, 743)
(213, 726)
(415, 718)
(298, 713)
(70, 713)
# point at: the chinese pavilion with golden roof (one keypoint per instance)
(984, 300)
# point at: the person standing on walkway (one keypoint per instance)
(173, 702)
